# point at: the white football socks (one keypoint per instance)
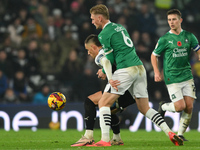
(105, 123)
(116, 136)
(157, 119)
(169, 107)
(89, 134)
(184, 122)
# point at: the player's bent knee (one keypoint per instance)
(180, 108)
(189, 109)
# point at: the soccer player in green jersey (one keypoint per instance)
(95, 50)
(130, 75)
(176, 46)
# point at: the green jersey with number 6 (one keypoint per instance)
(117, 45)
(176, 50)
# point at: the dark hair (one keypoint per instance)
(93, 39)
(174, 11)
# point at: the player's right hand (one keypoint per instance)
(114, 84)
(158, 77)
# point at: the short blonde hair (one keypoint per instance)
(100, 9)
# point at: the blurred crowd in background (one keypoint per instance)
(42, 45)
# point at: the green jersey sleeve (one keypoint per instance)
(160, 47)
(107, 48)
(194, 43)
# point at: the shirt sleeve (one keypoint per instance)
(107, 67)
(159, 48)
(108, 50)
(194, 43)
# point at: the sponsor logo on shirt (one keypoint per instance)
(177, 52)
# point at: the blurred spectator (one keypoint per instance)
(71, 74)
(42, 96)
(46, 61)
(143, 51)
(65, 44)
(72, 68)
(21, 63)
(58, 18)
(118, 5)
(122, 20)
(33, 4)
(10, 97)
(23, 16)
(9, 47)
(135, 36)
(32, 51)
(75, 13)
(6, 65)
(3, 83)
(131, 19)
(52, 30)
(145, 47)
(15, 29)
(32, 29)
(113, 15)
(63, 5)
(85, 30)
(70, 26)
(19, 85)
(146, 20)
(147, 40)
(40, 15)
(132, 7)
(35, 79)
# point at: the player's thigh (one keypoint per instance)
(175, 92)
(189, 89)
(139, 87)
(95, 97)
(108, 99)
(126, 80)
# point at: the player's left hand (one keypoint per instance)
(101, 75)
(114, 84)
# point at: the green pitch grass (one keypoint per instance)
(46, 139)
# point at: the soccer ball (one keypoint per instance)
(56, 101)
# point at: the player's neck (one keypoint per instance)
(105, 23)
(176, 31)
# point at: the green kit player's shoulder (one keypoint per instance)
(113, 28)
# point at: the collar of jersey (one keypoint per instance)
(173, 33)
(100, 49)
(106, 24)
